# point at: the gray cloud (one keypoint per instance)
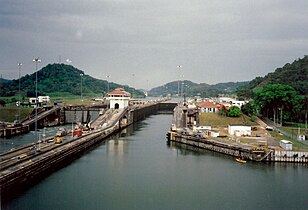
(214, 40)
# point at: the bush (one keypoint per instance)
(234, 111)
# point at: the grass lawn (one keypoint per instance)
(8, 114)
(215, 119)
(297, 146)
(293, 130)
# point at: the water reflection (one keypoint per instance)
(136, 169)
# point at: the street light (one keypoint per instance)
(182, 83)
(108, 76)
(19, 69)
(179, 67)
(36, 60)
(133, 93)
(81, 86)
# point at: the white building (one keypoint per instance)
(40, 100)
(239, 130)
(119, 98)
(238, 104)
(207, 106)
(301, 137)
(32, 100)
(202, 128)
(43, 99)
(287, 145)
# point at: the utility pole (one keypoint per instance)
(19, 69)
(179, 67)
(81, 75)
(36, 60)
(108, 76)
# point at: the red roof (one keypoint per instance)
(119, 91)
(207, 104)
(219, 106)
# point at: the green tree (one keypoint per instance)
(223, 111)
(249, 109)
(234, 111)
(275, 99)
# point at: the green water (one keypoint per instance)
(139, 170)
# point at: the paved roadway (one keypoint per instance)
(28, 152)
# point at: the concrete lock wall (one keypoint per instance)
(73, 116)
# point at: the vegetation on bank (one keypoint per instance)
(294, 75)
(9, 114)
(217, 120)
(297, 146)
(58, 80)
(282, 96)
(190, 89)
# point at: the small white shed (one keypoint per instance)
(239, 130)
(213, 133)
(202, 127)
(285, 144)
(301, 137)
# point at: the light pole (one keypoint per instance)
(36, 60)
(182, 84)
(133, 93)
(147, 91)
(81, 75)
(179, 67)
(108, 76)
(19, 69)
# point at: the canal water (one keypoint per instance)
(137, 169)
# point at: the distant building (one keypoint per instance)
(32, 100)
(239, 130)
(119, 98)
(202, 128)
(41, 100)
(301, 137)
(238, 104)
(207, 106)
(226, 101)
(287, 145)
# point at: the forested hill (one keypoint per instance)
(294, 74)
(4, 81)
(59, 79)
(194, 89)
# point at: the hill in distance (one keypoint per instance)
(194, 89)
(4, 81)
(294, 74)
(60, 80)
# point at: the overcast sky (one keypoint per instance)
(213, 40)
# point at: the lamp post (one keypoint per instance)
(36, 60)
(182, 84)
(108, 76)
(179, 67)
(19, 69)
(133, 93)
(81, 75)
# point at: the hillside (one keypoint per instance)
(4, 81)
(58, 80)
(193, 89)
(294, 74)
